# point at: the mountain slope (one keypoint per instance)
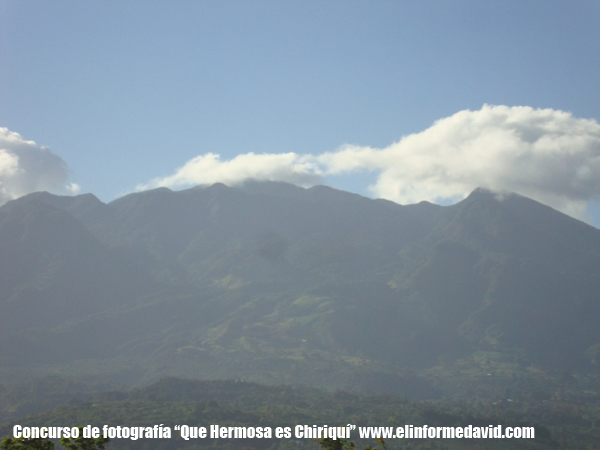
(511, 274)
(53, 271)
(278, 283)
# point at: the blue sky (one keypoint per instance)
(128, 92)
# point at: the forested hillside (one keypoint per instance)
(275, 283)
(491, 304)
(233, 403)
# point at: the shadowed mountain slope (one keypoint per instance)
(273, 282)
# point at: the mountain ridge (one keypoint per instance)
(273, 282)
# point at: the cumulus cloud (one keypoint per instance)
(26, 167)
(545, 154)
(209, 168)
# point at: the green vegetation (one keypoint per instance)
(345, 444)
(484, 312)
(26, 444)
(559, 423)
(278, 284)
(70, 443)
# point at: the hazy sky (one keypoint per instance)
(398, 99)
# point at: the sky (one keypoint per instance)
(402, 100)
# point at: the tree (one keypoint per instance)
(26, 444)
(345, 444)
(79, 443)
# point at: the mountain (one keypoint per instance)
(52, 271)
(275, 283)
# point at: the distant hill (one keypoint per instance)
(275, 283)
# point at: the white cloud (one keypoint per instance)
(209, 169)
(545, 154)
(26, 167)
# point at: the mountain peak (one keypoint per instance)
(482, 193)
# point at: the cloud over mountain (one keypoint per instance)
(209, 169)
(26, 167)
(546, 154)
